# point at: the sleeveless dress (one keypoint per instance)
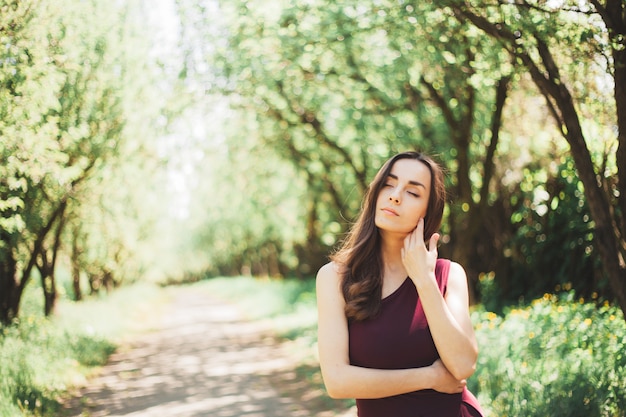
(399, 338)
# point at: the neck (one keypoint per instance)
(391, 253)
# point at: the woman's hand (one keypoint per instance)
(419, 260)
(443, 381)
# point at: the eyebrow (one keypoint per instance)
(416, 183)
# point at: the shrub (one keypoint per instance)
(26, 357)
(40, 358)
(556, 357)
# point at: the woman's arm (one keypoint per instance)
(448, 317)
(450, 324)
(343, 380)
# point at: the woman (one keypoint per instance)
(394, 328)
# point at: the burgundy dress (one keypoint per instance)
(399, 338)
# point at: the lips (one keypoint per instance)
(389, 211)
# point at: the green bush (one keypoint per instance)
(41, 359)
(30, 361)
(556, 357)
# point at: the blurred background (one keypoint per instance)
(172, 141)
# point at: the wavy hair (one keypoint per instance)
(359, 256)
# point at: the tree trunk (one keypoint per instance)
(49, 292)
(47, 282)
(78, 295)
(9, 290)
(607, 237)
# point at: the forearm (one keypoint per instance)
(350, 381)
(455, 343)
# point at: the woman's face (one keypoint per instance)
(403, 200)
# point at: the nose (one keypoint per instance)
(394, 197)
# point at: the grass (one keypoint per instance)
(43, 358)
(288, 303)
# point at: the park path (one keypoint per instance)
(204, 359)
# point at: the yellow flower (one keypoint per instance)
(587, 322)
(531, 335)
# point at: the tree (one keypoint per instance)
(536, 35)
(333, 89)
(336, 88)
(64, 80)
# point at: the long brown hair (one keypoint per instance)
(360, 256)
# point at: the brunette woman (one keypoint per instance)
(394, 328)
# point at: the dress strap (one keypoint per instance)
(442, 268)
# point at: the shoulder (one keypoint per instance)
(456, 270)
(457, 279)
(450, 268)
(329, 277)
(328, 269)
(450, 273)
(329, 272)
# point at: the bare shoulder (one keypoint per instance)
(329, 278)
(330, 271)
(457, 271)
(457, 280)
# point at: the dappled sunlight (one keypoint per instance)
(204, 361)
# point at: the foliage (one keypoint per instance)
(305, 85)
(281, 114)
(312, 96)
(43, 358)
(252, 222)
(558, 356)
(560, 46)
(74, 84)
(552, 242)
(39, 361)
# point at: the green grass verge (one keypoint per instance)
(42, 358)
(288, 303)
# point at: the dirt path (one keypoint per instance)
(205, 360)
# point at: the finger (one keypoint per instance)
(432, 244)
(419, 231)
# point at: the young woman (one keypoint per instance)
(394, 328)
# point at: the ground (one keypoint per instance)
(205, 359)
